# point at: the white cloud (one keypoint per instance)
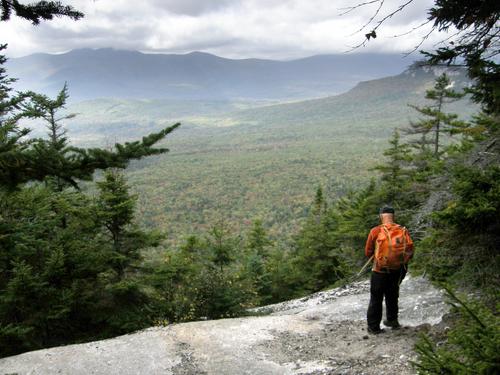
(232, 28)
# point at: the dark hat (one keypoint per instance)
(386, 210)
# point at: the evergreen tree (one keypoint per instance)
(320, 206)
(317, 254)
(78, 286)
(285, 276)
(256, 263)
(60, 298)
(116, 210)
(176, 279)
(202, 278)
(468, 224)
(258, 242)
(395, 172)
(12, 138)
(42, 107)
(193, 249)
(357, 213)
(221, 245)
(437, 122)
(56, 148)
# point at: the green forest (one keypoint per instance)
(260, 163)
(81, 258)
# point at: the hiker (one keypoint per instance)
(392, 248)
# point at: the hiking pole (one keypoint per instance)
(364, 267)
(355, 277)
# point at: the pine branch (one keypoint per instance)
(36, 12)
(454, 297)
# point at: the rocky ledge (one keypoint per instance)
(324, 333)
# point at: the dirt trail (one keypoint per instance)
(323, 333)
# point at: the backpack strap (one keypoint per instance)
(405, 231)
(388, 234)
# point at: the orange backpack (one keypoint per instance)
(390, 247)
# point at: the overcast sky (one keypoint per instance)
(274, 29)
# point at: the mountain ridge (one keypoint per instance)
(197, 75)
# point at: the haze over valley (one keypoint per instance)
(106, 72)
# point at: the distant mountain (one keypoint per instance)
(95, 73)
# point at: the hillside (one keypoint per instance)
(196, 76)
(320, 334)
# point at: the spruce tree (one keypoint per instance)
(258, 241)
(13, 144)
(221, 245)
(64, 264)
(116, 209)
(256, 262)
(317, 251)
(223, 292)
(436, 122)
(56, 149)
(395, 171)
(357, 212)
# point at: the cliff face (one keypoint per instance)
(324, 333)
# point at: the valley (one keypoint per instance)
(248, 160)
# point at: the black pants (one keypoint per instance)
(384, 285)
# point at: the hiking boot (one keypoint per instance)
(375, 331)
(394, 324)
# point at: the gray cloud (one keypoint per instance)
(192, 7)
(232, 28)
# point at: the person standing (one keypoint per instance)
(391, 246)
